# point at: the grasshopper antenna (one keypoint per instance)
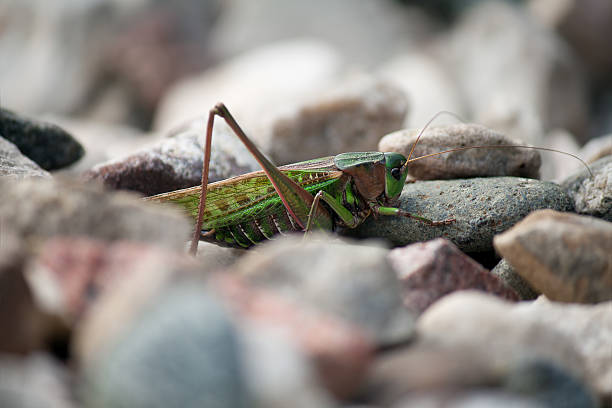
(429, 122)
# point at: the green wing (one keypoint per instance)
(251, 195)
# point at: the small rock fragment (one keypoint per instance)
(432, 269)
(592, 195)
(176, 162)
(14, 164)
(513, 280)
(353, 283)
(48, 145)
(43, 208)
(567, 257)
(481, 207)
(468, 163)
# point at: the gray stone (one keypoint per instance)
(589, 327)
(482, 207)
(175, 163)
(468, 163)
(48, 145)
(507, 339)
(467, 399)
(515, 75)
(182, 351)
(351, 116)
(34, 381)
(15, 165)
(597, 148)
(504, 271)
(42, 208)
(354, 283)
(592, 195)
(567, 257)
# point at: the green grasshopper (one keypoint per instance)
(325, 193)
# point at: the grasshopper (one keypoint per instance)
(324, 193)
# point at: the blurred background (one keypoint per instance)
(113, 71)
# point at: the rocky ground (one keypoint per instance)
(510, 305)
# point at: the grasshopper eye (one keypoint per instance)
(396, 172)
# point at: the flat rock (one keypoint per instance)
(15, 165)
(350, 116)
(354, 283)
(176, 162)
(482, 207)
(42, 208)
(589, 327)
(567, 257)
(474, 319)
(47, 382)
(48, 145)
(468, 163)
(506, 273)
(181, 351)
(592, 195)
(432, 269)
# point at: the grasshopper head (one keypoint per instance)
(395, 174)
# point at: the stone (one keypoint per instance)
(506, 273)
(350, 116)
(597, 148)
(252, 84)
(481, 207)
(15, 165)
(428, 85)
(69, 274)
(47, 145)
(557, 166)
(175, 163)
(339, 353)
(432, 269)
(592, 195)
(183, 350)
(469, 163)
(535, 85)
(24, 325)
(34, 381)
(589, 327)
(467, 399)
(353, 283)
(566, 257)
(38, 209)
(474, 319)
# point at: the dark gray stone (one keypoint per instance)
(182, 352)
(14, 164)
(48, 145)
(505, 272)
(592, 195)
(482, 207)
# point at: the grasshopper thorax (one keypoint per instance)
(395, 174)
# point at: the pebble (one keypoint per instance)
(567, 257)
(47, 145)
(597, 148)
(510, 90)
(469, 163)
(432, 269)
(175, 163)
(14, 164)
(474, 319)
(353, 283)
(482, 207)
(506, 273)
(592, 195)
(182, 351)
(35, 380)
(38, 209)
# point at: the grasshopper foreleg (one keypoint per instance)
(347, 217)
(401, 213)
